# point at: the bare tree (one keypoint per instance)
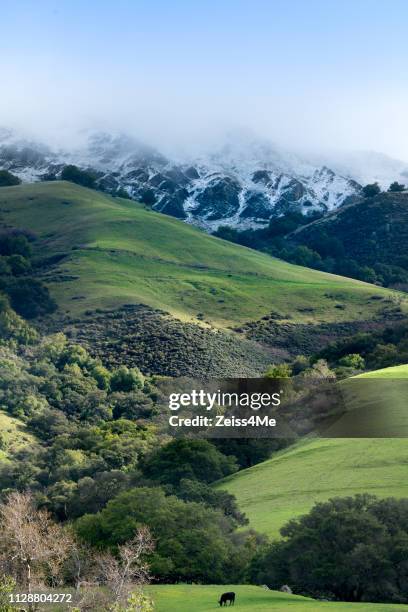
(32, 546)
(35, 550)
(129, 566)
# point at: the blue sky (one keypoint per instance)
(309, 74)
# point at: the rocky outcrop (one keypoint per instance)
(257, 206)
(219, 199)
(173, 204)
(263, 177)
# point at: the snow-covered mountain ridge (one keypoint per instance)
(242, 184)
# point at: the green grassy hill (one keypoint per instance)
(186, 598)
(395, 372)
(376, 404)
(289, 484)
(117, 252)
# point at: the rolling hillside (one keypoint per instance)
(203, 598)
(372, 230)
(395, 373)
(114, 252)
(288, 485)
(376, 404)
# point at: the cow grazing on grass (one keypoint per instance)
(227, 597)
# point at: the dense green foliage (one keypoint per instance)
(379, 349)
(29, 296)
(94, 439)
(353, 549)
(7, 179)
(249, 451)
(76, 175)
(201, 492)
(373, 234)
(88, 447)
(371, 190)
(321, 252)
(90, 459)
(395, 186)
(194, 542)
(358, 241)
(192, 459)
(15, 242)
(12, 327)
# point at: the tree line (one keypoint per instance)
(320, 251)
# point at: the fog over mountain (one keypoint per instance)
(242, 181)
(311, 76)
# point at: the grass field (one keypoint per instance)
(395, 372)
(288, 485)
(197, 598)
(376, 404)
(118, 252)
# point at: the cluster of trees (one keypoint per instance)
(37, 552)
(353, 549)
(7, 179)
(91, 423)
(91, 179)
(74, 174)
(319, 251)
(322, 252)
(99, 462)
(195, 526)
(56, 374)
(108, 480)
(194, 542)
(372, 350)
(373, 189)
(381, 348)
(70, 172)
(313, 368)
(28, 295)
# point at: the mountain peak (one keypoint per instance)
(242, 182)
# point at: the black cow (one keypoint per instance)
(227, 597)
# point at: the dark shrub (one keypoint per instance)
(352, 548)
(76, 175)
(7, 179)
(371, 190)
(190, 459)
(30, 298)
